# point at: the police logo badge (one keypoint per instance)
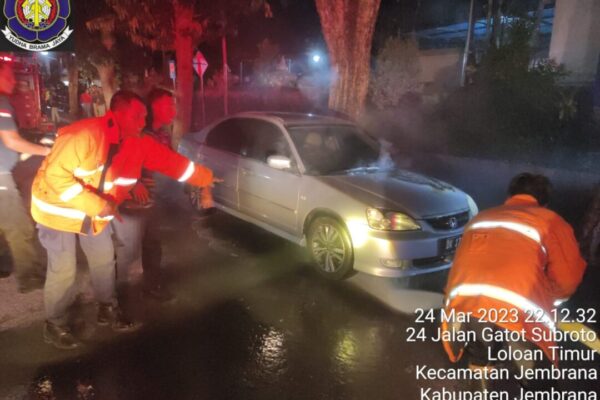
(37, 25)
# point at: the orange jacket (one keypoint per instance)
(520, 258)
(65, 189)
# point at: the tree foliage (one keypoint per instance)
(152, 23)
(396, 72)
(179, 25)
(514, 102)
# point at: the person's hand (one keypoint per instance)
(206, 199)
(149, 182)
(140, 193)
(110, 209)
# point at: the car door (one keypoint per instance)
(221, 152)
(265, 193)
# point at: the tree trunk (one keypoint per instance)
(496, 35)
(488, 27)
(73, 86)
(184, 49)
(538, 21)
(416, 16)
(348, 27)
(106, 72)
(497, 27)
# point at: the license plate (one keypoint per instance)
(449, 245)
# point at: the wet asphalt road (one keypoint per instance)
(250, 321)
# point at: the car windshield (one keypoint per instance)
(330, 149)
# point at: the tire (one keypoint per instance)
(330, 249)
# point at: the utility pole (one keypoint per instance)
(225, 78)
(463, 69)
(203, 100)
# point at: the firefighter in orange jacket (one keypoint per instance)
(514, 262)
(89, 172)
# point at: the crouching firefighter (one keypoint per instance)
(91, 169)
(514, 262)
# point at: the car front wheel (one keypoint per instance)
(330, 248)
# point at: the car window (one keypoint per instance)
(264, 140)
(228, 136)
(326, 149)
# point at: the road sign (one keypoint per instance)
(172, 69)
(200, 63)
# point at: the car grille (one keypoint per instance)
(449, 222)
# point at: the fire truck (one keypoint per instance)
(27, 97)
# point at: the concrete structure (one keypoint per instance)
(576, 38)
(569, 34)
(441, 50)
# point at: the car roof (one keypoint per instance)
(294, 119)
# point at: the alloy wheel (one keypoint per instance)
(328, 248)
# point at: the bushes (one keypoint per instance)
(513, 108)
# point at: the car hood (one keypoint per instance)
(398, 190)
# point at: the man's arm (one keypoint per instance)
(166, 161)
(16, 142)
(565, 265)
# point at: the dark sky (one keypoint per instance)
(295, 27)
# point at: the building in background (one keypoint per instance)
(569, 34)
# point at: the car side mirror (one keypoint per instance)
(279, 162)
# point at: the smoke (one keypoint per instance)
(385, 161)
(408, 129)
(315, 87)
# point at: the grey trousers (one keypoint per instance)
(138, 240)
(17, 228)
(61, 287)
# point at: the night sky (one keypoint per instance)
(296, 27)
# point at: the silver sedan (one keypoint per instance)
(322, 183)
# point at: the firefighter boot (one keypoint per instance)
(109, 314)
(60, 337)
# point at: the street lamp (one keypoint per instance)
(316, 58)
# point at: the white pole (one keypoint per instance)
(463, 70)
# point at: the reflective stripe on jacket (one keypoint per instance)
(65, 189)
(518, 259)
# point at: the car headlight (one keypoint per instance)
(473, 209)
(390, 221)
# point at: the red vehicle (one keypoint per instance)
(27, 97)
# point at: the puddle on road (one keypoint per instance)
(221, 246)
(395, 293)
(392, 293)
